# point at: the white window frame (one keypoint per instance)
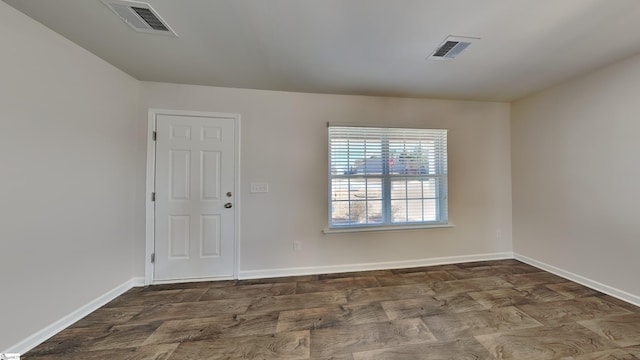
(436, 173)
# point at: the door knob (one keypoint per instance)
(228, 206)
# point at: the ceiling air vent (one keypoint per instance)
(140, 16)
(451, 47)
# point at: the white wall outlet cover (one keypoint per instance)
(259, 187)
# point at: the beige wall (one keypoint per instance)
(284, 143)
(576, 172)
(72, 154)
(67, 145)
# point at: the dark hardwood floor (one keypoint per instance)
(485, 310)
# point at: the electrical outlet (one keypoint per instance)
(297, 246)
(498, 234)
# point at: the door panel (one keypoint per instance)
(210, 239)
(210, 175)
(179, 238)
(195, 166)
(180, 170)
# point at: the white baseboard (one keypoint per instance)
(609, 290)
(313, 270)
(190, 280)
(68, 320)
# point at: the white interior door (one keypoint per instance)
(195, 191)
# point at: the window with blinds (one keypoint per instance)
(387, 177)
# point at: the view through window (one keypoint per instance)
(387, 176)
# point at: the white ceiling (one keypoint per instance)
(370, 47)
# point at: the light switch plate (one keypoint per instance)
(259, 187)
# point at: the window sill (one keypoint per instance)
(384, 228)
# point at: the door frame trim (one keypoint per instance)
(150, 188)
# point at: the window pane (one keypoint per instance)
(399, 189)
(374, 189)
(429, 188)
(357, 189)
(410, 156)
(357, 212)
(374, 213)
(430, 209)
(407, 211)
(409, 200)
(385, 176)
(414, 189)
(340, 213)
(414, 211)
(356, 201)
(339, 189)
(349, 212)
(356, 156)
(399, 211)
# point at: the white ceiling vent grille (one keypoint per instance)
(140, 16)
(451, 47)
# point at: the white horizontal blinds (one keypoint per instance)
(356, 174)
(387, 176)
(354, 147)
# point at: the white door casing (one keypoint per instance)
(195, 171)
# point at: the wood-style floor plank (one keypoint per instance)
(449, 327)
(281, 346)
(501, 309)
(623, 330)
(462, 349)
(544, 343)
(327, 317)
(349, 339)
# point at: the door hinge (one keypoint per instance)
(153, 196)
(154, 136)
(153, 258)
